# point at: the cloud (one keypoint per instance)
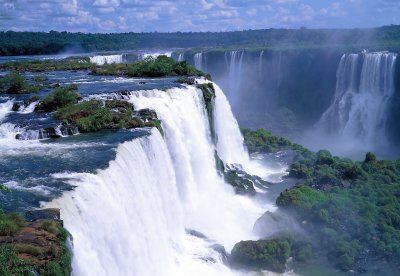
(193, 15)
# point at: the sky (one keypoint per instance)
(107, 16)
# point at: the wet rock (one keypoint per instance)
(43, 214)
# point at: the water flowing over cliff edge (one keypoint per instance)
(140, 215)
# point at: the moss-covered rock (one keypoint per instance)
(208, 92)
(35, 247)
(263, 254)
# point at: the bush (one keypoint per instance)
(61, 97)
(262, 254)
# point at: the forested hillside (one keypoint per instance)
(31, 43)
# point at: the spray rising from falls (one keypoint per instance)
(365, 85)
(154, 192)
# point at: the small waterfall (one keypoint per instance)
(198, 61)
(260, 65)
(155, 190)
(365, 85)
(109, 59)
(234, 61)
(181, 57)
(5, 108)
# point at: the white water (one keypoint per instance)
(29, 109)
(260, 65)
(108, 59)
(5, 108)
(198, 61)
(181, 57)
(130, 218)
(234, 62)
(357, 116)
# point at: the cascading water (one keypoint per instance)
(234, 62)
(154, 191)
(181, 57)
(5, 108)
(365, 85)
(260, 65)
(198, 61)
(109, 59)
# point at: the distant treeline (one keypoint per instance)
(35, 43)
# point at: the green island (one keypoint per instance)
(161, 66)
(350, 209)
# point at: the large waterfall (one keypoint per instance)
(134, 218)
(358, 113)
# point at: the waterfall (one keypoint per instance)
(181, 57)
(130, 219)
(198, 61)
(365, 85)
(234, 61)
(5, 108)
(109, 59)
(260, 65)
(230, 144)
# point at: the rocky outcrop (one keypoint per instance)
(38, 245)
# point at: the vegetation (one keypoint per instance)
(15, 83)
(264, 141)
(22, 257)
(150, 67)
(67, 64)
(10, 223)
(92, 115)
(351, 209)
(61, 97)
(30, 43)
(262, 254)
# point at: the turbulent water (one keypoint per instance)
(139, 216)
(358, 114)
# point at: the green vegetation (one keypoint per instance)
(262, 254)
(10, 223)
(264, 141)
(15, 83)
(351, 209)
(49, 65)
(20, 258)
(61, 97)
(92, 115)
(30, 43)
(150, 67)
(161, 66)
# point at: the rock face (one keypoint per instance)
(38, 245)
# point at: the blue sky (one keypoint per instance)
(193, 15)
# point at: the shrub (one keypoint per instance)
(61, 97)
